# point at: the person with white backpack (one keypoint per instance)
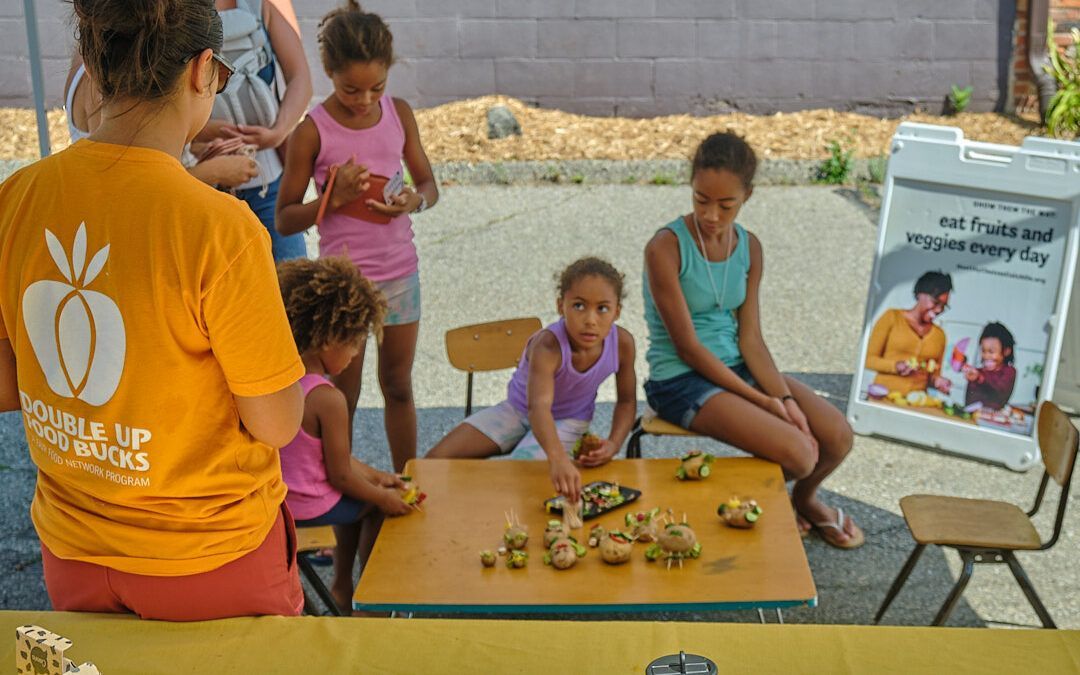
(261, 35)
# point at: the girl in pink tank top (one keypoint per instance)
(552, 395)
(366, 136)
(331, 309)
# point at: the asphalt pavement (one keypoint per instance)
(491, 252)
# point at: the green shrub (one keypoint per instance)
(1063, 111)
(662, 179)
(837, 168)
(959, 99)
(877, 167)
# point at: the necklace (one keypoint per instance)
(708, 265)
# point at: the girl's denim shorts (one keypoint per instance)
(678, 399)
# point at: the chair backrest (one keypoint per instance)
(489, 346)
(1058, 440)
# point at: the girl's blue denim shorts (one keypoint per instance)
(678, 399)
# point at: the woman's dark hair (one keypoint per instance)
(1002, 335)
(591, 267)
(726, 150)
(329, 302)
(139, 48)
(349, 34)
(934, 283)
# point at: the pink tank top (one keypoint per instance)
(304, 469)
(381, 251)
(575, 391)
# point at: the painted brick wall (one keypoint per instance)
(646, 57)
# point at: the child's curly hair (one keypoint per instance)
(329, 302)
(591, 267)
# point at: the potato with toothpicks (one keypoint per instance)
(738, 513)
(564, 553)
(554, 530)
(616, 547)
(694, 466)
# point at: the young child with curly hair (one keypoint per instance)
(331, 309)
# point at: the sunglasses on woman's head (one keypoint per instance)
(225, 69)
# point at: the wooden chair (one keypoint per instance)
(488, 346)
(309, 541)
(652, 425)
(985, 531)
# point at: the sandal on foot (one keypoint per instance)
(855, 540)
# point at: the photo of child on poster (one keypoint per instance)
(959, 325)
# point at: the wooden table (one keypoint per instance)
(429, 561)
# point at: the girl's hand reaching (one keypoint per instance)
(565, 477)
(390, 480)
(406, 201)
(351, 181)
(599, 455)
(389, 501)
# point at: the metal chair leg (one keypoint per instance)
(950, 602)
(633, 446)
(1029, 590)
(317, 584)
(901, 578)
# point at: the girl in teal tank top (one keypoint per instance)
(709, 368)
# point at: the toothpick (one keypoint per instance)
(669, 564)
(507, 516)
(684, 517)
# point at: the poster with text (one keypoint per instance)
(966, 284)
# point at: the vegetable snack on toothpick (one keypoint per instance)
(616, 547)
(515, 536)
(517, 559)
(642, 525)
(554, 530)
(411, 494)
(596, 534)
(564, 553)
(586, 444)
(487, 558)
(738, 513)
(694, 466)
(677, 541)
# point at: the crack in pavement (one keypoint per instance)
(501, 219)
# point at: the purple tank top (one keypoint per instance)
(381, 251)
(304, 469)
(575, 392)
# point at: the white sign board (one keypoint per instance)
(969, 293)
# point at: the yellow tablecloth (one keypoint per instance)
(419, 646)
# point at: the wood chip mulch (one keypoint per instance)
(458, 132)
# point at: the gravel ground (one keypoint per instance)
(491, 252)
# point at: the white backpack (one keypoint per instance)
(248, 99)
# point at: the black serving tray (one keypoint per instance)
(630, 495)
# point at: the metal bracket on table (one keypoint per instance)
(779, 615)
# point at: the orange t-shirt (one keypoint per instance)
(138, 301)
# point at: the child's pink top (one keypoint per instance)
(304, 469)
(382, 252)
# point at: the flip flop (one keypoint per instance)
(854, 540)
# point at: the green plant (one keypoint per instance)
(501, 175)
(836, 169)
(1063, 111)
(959, 99)
(662, 179)
(629, 179)
(876, 167)
(552, 175)
(577, 179)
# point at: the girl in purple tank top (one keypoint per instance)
(552, 395)
(366, 136)
(331, 309)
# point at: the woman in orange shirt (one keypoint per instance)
(906, 348)
(143, 338)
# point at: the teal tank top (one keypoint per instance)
(717, 327)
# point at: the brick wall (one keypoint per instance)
(1065, 15)
(646, 57)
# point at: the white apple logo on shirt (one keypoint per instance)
(77, 335)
